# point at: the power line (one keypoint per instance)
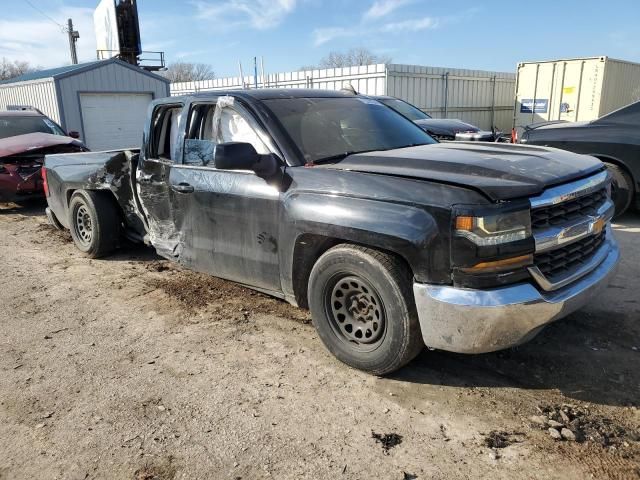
(62, 27)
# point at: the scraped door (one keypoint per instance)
(230, 220)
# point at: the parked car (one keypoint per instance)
(25, 138)
(444, 129)
(335, 202)
(613, 138)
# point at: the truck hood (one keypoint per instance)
(32, 142)
(500, 171)
(445, 126)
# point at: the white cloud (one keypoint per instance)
(381, 8)
(328, 34)
(42, 43)
(258, 14)
(325, 35)
(411, 25)
(372, 23)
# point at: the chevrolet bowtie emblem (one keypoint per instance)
(598, 225)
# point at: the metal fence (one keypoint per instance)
(478, 97)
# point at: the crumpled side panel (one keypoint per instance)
(115, 175)
(161, 232)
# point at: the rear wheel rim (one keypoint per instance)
(83, 225)
(355, 312)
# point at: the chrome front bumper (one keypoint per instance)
(478, 321)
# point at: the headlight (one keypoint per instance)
(494, 229)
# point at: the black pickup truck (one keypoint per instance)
(337, 203)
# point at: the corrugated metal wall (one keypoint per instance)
(478, 97)
(110, 78)
(369, 79)
(621, 85)
(470, 93)
(40, 94)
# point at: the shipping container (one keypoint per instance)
(482, 98)
(580, 89)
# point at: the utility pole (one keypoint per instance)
(73, 38)
(255, 72)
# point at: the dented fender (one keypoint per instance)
(406, 230)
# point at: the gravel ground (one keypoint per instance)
(133, 368)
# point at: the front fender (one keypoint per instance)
(409, 231)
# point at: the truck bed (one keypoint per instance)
(110, 170)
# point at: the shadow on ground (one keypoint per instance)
(29, 208)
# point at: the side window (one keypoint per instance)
(235, 128)
(166, 120)
(232, 126)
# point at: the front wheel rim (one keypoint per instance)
(355, 312)
(83, 225)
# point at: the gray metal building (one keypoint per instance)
(105, 101)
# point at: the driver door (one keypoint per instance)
(230, 219)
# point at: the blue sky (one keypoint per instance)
(489, 35)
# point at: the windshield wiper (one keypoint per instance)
(340, 156)
(415, 145)
(335, 158)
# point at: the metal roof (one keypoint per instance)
(72, 69)
(20, 113)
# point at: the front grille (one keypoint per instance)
(565, 212)
(569, 257)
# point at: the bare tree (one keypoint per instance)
(351, 58)
(10, 69)
(188, 72)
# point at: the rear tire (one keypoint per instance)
(622, 190)
(362, 306)
(94, 223)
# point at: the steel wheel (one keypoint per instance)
(355, 312)
(83, 225)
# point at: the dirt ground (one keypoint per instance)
(133, 368)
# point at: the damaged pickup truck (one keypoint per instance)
(337, 203)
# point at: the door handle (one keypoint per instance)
(183, 188)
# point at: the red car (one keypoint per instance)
(26, 136)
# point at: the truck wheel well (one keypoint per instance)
(615, 161)
(105, 193)
(308, 249)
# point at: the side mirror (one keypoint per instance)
(243, 156)
(73, 134)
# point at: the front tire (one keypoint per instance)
(622, 190)
(94, 223)
(362, 306)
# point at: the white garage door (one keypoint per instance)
(113, 120)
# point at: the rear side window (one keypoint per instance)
(165, 132)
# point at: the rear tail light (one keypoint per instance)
(514, 135)
(45, 184)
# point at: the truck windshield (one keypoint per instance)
(330, 128)
(12, 126)
(405, 109)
